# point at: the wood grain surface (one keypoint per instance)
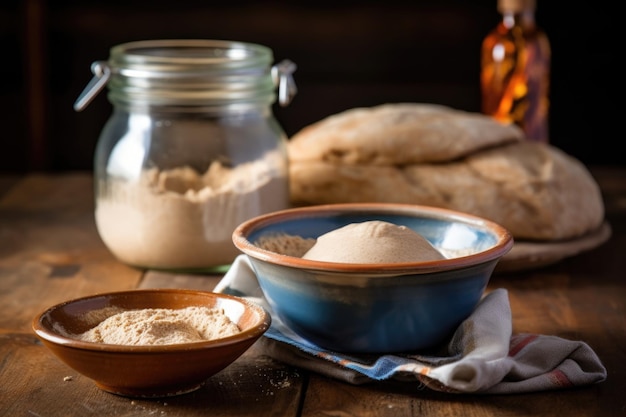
(50, 251)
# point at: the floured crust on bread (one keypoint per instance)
(534, 190)
(399, 134)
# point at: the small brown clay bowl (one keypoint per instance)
(148, 370)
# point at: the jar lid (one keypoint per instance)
(516, 5)
(190, 72)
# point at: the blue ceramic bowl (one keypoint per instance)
(374, 308)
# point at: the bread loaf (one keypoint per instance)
(534, 190)
(399, 134)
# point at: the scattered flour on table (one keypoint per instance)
(160, 326)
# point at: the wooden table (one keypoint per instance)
(50, 252)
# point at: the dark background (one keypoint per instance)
(349, 54)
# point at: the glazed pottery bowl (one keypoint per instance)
(148, 370)
(367, 308)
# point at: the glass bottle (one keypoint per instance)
(191, 150)
(515, 70)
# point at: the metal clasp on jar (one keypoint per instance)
(102, 73)
(283, 78)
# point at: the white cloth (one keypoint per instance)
(483, 356)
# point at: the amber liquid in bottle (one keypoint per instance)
(515, 70)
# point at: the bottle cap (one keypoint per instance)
(516, 5)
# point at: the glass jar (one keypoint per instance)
(191, 150)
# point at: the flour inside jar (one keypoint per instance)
(183, 219)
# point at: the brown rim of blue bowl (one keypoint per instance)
(504, 239)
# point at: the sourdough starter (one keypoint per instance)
(372, 242)
(368, 242)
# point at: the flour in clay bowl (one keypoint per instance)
(159, 326)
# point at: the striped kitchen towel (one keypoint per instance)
(483, 356)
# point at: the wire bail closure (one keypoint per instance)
(282, 75)
(102, 73)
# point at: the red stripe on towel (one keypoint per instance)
(559, 378)
(520, 342)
